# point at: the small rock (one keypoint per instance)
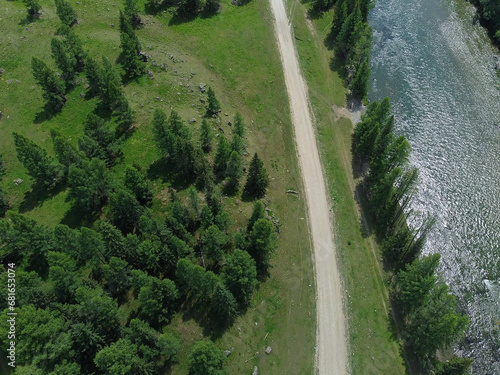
(227, 352)
(112, 25)
(234, 2)
(268, 350)
(255, 368)
(27, 29)
(211, 65)
(2, 71)
(225, 114)
(9, 80)
(192, 120)
(18, 81)
(86, 86)
(230, 123)
(82, 95)
(1, 115)
(151, 75)
(222, 131)
(157, 98)
(18, 181)
(202, 100)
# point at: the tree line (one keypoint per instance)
(352, 39)
(489, 15)
(95, 299)
(429, 313)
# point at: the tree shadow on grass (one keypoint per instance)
(179, 19)
(202, 315)
(45, 115)
(38, 194)
(76, 217)
(165, 171)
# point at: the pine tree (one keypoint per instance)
(139, 185)
(66, 153)
(224, 305)
(258, 179)
(238, 143)
(262, 243)
(240, 275)
(33, 8)
(125, 210)
(89, 185)
(52, 87)
(43, 169)
(206, 136)
(63, 61)
(132, 13)
(257, 213)
(234, 171)
(65, 12)
(359, 85)
(339, 16)
(94, 75)
(131, 61)
(223, 154)
(75, 49)
(213, 104)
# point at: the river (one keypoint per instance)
(436, 65)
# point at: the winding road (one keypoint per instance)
(331, 349)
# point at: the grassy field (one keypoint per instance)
(373, 347)
(235, 53)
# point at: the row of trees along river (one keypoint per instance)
(436, 63)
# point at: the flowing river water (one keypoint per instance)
(437, 66)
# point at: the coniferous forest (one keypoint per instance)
(94, 296)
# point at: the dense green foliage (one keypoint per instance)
(53, 89)
(206, 359)
(33, 8)
(257, 180)
(431, 320)
(65, 12)
(97, 296)
(489, 13)
(352, 37)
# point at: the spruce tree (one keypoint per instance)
(213, 104)
(359, 85)
(339, 16)
(4, 203)
(258, 179)
(206, 136)
(233, 172)
(65, 12)
(52, 87)
(42, 168)
(131, 61)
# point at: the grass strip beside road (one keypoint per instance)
(373, 346)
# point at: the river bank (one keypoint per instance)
(427, 53)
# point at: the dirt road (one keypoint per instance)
(331, 350)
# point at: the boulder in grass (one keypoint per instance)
(268, 350)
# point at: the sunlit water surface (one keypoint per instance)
(436, 65)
